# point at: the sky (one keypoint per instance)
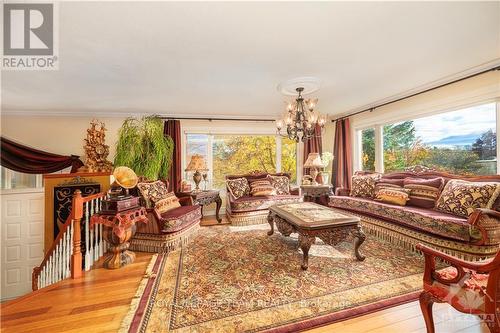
(466, 124)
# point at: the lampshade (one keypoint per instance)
(197, 163)
(313, 161)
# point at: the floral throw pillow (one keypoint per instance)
(392, 196)
(461, 197)
(281, 184)
(238, 187)
(153, 192)
(168, 203)
(364, 185)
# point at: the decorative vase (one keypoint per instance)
(325, 177)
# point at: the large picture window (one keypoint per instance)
(460, 142)
(229, 154)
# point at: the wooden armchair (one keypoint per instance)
(470, 287)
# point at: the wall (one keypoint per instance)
(59, 135)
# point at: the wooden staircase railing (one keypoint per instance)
(65, 257)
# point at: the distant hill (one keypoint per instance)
(456, 140)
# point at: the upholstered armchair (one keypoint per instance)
(469, 287)
(169, 226)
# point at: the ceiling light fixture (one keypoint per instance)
(300, 119)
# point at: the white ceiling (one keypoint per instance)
(226, 59)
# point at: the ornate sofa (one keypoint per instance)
(247, 210)
(169, 229)
(472, 237)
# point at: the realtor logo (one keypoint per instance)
(29, 41)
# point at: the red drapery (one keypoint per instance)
(24, 159)
(172, 128)
(313, 145)
(342, 152)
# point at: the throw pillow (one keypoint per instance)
(392, 196)
(167, 203)
(238, 187)
(423, 192)
(364, 185)
(389, 183)
(152, 192)
(461, 197)
(281, 184)
(261, 187)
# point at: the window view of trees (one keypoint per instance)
(462, 142)
(238, 154)
(368, 149)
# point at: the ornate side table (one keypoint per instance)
(118, 229)
(316, 193)
(204, 198)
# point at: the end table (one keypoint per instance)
(118, 229)
(317, 193)
(205, 197)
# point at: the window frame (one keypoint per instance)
(379, 132)
(238, 131)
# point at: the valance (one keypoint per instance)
(24, 159)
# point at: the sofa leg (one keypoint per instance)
(426, 302)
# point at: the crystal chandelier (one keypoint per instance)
(300, 119)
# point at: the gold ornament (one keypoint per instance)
(96, 150)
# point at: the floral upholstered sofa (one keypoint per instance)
(455, 214)
(246, 206)
(172, 221)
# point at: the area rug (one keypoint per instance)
(242, 280)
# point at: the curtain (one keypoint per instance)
(313, 145)
(24, 159)
(342, 152)
(172, 128)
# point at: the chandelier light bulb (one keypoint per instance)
(279, 124)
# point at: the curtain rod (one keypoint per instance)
(213, 119)
(496, 68)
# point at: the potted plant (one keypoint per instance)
(144, 148)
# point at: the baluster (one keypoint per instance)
(61, 260)
(70, 249)
(87, 249)
(67, 250)
(56, 263)
(49, 273)
(91, 238)
(41, 279)
(101, 241)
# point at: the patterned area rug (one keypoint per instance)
(241, 280)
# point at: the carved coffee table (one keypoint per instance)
(311, 220)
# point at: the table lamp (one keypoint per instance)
(197, 164)
(314, 162)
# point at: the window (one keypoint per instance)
(228, 154)
(368, 149)
(289, 158)
(461, 142)
(17, 180)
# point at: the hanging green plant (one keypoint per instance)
(144, 148)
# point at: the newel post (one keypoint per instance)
(77, 213)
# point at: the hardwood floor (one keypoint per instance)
(98, 302)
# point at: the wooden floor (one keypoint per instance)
(99, 301)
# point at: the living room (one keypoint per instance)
(250, 166)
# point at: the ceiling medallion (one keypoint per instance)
(300, 120)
